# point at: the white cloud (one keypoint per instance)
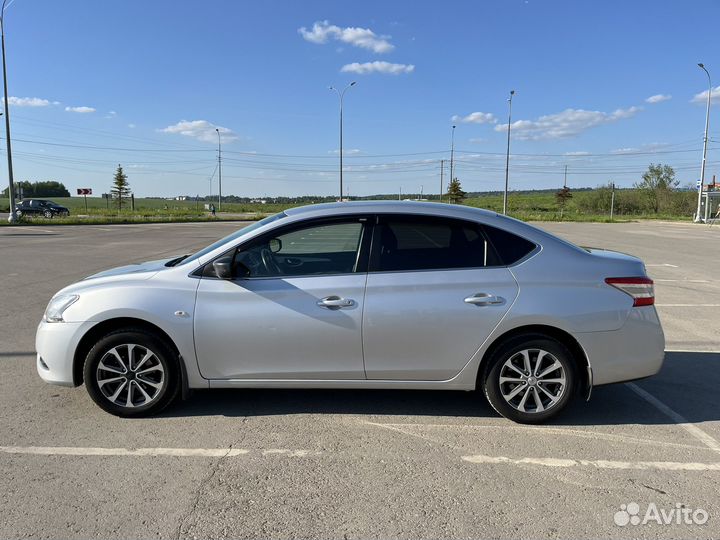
(346, 151)
(567, 123)
(702, 96)
(477, 140)
(364, 38)
(476, 118)
(80, 109)
(377, 67)
(131, 126)
(202, 130)
(658, 98)
(643, 148)
(27, 102)
(578, 153)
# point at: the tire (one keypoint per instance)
(150, 384)
(18, 213)
(530, 396)
(48, 214)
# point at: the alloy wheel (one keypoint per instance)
(532, 381)
(130, 376)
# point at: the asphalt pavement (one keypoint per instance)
(357, 464)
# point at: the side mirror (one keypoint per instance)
(223, 267)
(275, 245)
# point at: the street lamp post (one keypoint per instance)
(11, 184)
(705, 142)
(507, 156)
(217, 130)
(341, 95)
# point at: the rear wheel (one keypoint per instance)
(132, 373)
(530, 379)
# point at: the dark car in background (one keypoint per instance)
(40, 207)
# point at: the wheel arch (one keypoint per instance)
(578, 353)
(104, 327)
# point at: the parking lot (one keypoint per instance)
(327, 464)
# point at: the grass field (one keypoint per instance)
(528, 206)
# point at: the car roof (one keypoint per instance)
(389, 207)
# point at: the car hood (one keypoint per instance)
(135, 268)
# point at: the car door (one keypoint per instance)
(293, 309)
(435, 291)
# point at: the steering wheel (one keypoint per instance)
(271, 267)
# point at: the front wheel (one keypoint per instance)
(530, 379)
(132, 373)
(48, 214)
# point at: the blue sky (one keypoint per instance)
(145, 84)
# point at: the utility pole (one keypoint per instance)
(12, 218)
(400, 194)
(452, 154)
(341, 95)
(219, 171)
(612, 200)
(442, 170)
(698, 219)
(507, 156)
(422, 188)
(562, 208)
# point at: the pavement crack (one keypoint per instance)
(198, 493)
(654, 489)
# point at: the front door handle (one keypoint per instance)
(335, 302)
(484, 299)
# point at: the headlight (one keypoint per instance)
(58, 305)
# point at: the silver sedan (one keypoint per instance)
(361, 295)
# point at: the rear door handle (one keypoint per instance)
(335, 302)
(484, 299)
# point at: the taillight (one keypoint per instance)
(640, 288)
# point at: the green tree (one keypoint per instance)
(455, 194)
(39, 189)
(657, 185)
(120, 190)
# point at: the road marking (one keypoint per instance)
(663, 264)
(679, 419)
(681, 280)
(174, 452)
(540, 430)
(597, 464)
(687, 305)
(690, 351)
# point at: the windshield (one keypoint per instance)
(234, 236)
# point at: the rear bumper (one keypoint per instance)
(633, 352)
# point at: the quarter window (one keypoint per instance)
(509, 247)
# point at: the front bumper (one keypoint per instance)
(55, 344)
(634, 351)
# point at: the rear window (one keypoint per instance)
(509, 247)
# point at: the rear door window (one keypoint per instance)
(409, 243)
